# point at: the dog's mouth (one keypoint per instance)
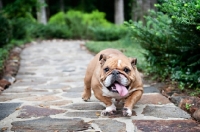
(118, 88)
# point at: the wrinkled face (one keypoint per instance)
(117, 74)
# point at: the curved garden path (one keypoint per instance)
(47, 97)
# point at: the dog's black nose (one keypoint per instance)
(115, 72)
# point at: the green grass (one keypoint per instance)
(128, 47)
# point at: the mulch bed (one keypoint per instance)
(183, 100)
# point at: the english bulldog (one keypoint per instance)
(111, 74)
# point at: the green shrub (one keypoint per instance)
(172, 42)
(56, 31)
(185, 16)
(58, 18)
(50, 31)
(36, 30)
(5, 31)
(3, 55)
(157, 38)
(95, 19)
(21, 9)
(74, 20)
(19, 28)
(109, 33)
(182, 11)
(88, 25)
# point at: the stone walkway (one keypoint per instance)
(46, 97)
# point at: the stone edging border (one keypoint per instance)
(11, 67)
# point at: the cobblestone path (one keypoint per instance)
(46, 97)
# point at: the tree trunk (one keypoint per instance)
(1, 4)
(137, 12)
(41, 12)
(152, 4)
(62, 7)
(119, 11)
(47, 10)
(140, 8)
(145, 7)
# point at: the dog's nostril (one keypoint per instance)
(115, 72)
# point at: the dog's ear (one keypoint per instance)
(133, 61)
(102, 59)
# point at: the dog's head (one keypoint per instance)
(117, 73)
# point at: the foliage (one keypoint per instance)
(58, 18)
(3, 56)
(157, 37)
(74, 20)
(95, 18)
(4, 51)
(21, 8)
(188, 106)
(88, 25)
(172, 42)
(127, 46)
(109, 33)
(80, 23)
(49, 31)
(19, 28)
(182, 11)
(5, 31)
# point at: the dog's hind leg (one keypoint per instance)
(87, 88)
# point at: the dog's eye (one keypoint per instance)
(106, 69)
(126, 70)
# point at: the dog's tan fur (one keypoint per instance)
(95, 75)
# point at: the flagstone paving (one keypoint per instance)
(47, 97)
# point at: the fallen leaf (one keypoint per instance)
(18, 108)
(4, 128)
(98, 114)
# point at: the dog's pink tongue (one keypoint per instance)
(121, 89)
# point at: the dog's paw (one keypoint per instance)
(110, 110)
(108, 113)
(126, 112)
(86, 96)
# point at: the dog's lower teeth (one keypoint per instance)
(114, 88)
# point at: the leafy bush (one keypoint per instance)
(88, 25)
(95, 19)
(157, 37)
(81, 23)
(108, 33)
(58, 18)
(5, 31)
(21, 8)
(19, 28)
(74, 20)
(56, 31)
(3, 55)
(49, 31)
(182, 11)
(172, 41)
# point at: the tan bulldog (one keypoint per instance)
(111, 74)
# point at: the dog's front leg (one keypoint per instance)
(110, 107)
(131, 101)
